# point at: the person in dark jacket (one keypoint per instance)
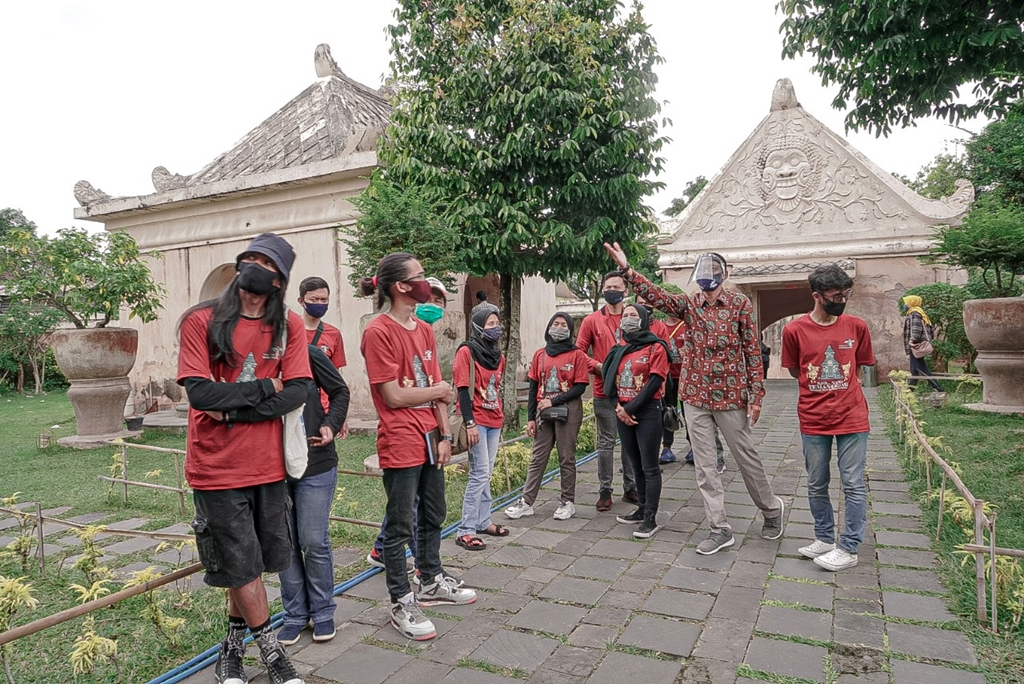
(307, 586)
(916, 327)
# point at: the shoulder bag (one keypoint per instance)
(556, 414)
(924, 347)
(296, 448)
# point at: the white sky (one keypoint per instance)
(105, 90)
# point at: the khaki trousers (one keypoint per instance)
(735, 427)
(551, 434)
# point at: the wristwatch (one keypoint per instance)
(624, 271)
(448, 438)
(469, 424)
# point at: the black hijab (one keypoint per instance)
(632, 342)
(485, 352)
(553, 348)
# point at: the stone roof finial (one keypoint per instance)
(86, 194)
(325, 64)
(784, 95)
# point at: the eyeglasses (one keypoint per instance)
(839, 298)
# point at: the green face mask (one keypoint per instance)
(429, 313)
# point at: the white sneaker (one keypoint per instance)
(836, 559)
(566, 510)
(818, 548)
(444, 591)
(410, 621)
(519, 509)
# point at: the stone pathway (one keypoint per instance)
(568, 602)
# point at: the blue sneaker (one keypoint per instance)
(667, 456)
(289, 634)
(324, 631)
(689, 457)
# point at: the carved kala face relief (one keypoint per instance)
(786, 173)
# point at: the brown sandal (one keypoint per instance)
(468, 541)
(498, 531)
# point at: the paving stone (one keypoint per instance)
(419, 671)
(543, 676)
(597, 568)
(906, 672)
(612, 548)
(916, 607)
(388, 634)
(505, 602)
(707, 671)
(541, 539)
(343, 556)
(722, 560)
(130, 524)
(913, 580)
(539, 575)
(507, 648)
(555, 561)
(907, 558)
(912, 540)
(803, 568)
(859, 663)
(593, 636)
(516, 556)
(858, 630)
(617, 668)
(799, 531)
(607, 616)
(524, 587)
(895, 522)
(572, 590)
(571, 525)
(694, 580)
(466, 675)
(373, 588)
(930, 642)
(724, 639)
(649, 570)
(787, 658)
(795, 622)
(348, 635)
(127, 570)
(814, 595)
(908, 510)
(548, 617)
(660, 634)
(621, 599)
(635, 585)
(680, 604)
(574, 546)
(363, 664)
(746, 574)
(488, 577)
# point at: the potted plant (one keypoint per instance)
(88, 279)
(991, 243)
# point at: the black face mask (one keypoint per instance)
(613, 297)
(255, 279)
(833, 308)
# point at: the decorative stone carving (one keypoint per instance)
(324, 62)
(962, 197)
(784, 96)
(86, 194)
(164, 180)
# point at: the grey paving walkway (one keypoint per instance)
(581, 601)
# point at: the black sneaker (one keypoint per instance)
(229, 669)
(633, 518)
(631, 497)
(648, 527)
(279, 669)
(604, 500)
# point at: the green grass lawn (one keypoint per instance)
(988, 449)
(67, 477)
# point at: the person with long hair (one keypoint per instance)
(476, 373)
(634, 377)
(413, 440)
(557, 377)
(244, 364)
(916, 330)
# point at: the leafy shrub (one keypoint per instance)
(944, 304)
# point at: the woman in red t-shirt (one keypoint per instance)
(413, 440)
(558, 377)
(482, 415)
(634, 374)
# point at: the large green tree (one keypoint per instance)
(690, 193)
(534, 123)
(898, 60)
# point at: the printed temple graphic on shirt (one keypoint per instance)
(830, 376)
(421, 377)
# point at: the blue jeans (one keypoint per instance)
(307, 586)
(476, 506)
(852, 453)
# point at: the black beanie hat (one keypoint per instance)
(274, 247)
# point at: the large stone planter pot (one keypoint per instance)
(97, 362)
(996, 329)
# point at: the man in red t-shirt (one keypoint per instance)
(824, 350)
(599, 332)
(315, 299)
(244, 363)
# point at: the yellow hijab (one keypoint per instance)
(913, 303)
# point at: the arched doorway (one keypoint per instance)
(777, 305)
(216, 281)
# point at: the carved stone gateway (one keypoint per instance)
(796, 195)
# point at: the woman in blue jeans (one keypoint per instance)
(307, 586)
(476, 374)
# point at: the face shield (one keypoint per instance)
(709, 271)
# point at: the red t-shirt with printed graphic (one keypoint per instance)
(600, 331)
(410, 358)
(829, 356)
(487, 393)
(555, 375)
(333, 347)
(636, 367)
(236, 455)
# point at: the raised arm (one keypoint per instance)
(655, 296)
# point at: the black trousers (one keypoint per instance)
(402, 486)
(640, 445)
(671, 398)
(920, 367)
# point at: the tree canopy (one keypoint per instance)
(898, 60)
(690, 193)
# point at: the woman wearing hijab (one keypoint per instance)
(483, 417)
(634, 374)
(558, 377)
(917, 329)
